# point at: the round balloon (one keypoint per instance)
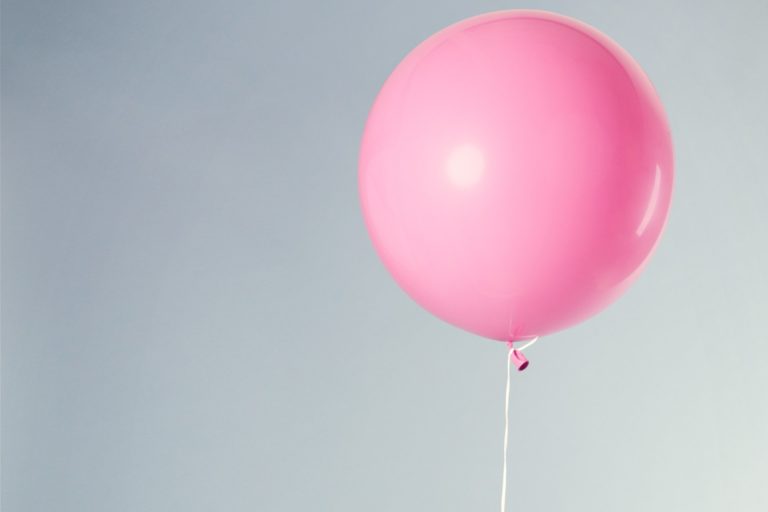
(516, 173)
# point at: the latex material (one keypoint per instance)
(515, 173)
(518, 359)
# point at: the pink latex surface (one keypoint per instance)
(516, 173)
(519, 360)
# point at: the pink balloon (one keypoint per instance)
(516, 173)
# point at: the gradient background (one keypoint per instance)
(194, 318)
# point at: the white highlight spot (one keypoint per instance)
(651, 208)
(465, 166)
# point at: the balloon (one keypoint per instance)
(515, 173)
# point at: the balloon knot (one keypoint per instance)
(518, 359)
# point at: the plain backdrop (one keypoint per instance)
(194, 319)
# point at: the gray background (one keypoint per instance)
(194, 318)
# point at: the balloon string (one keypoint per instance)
(506, 435)
(534, 340)
(506, 422)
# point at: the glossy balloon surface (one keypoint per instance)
(515, 173)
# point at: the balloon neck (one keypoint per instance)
(518, 359)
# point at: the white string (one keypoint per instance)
(506, 422)
(506, 435)
(534, 340)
